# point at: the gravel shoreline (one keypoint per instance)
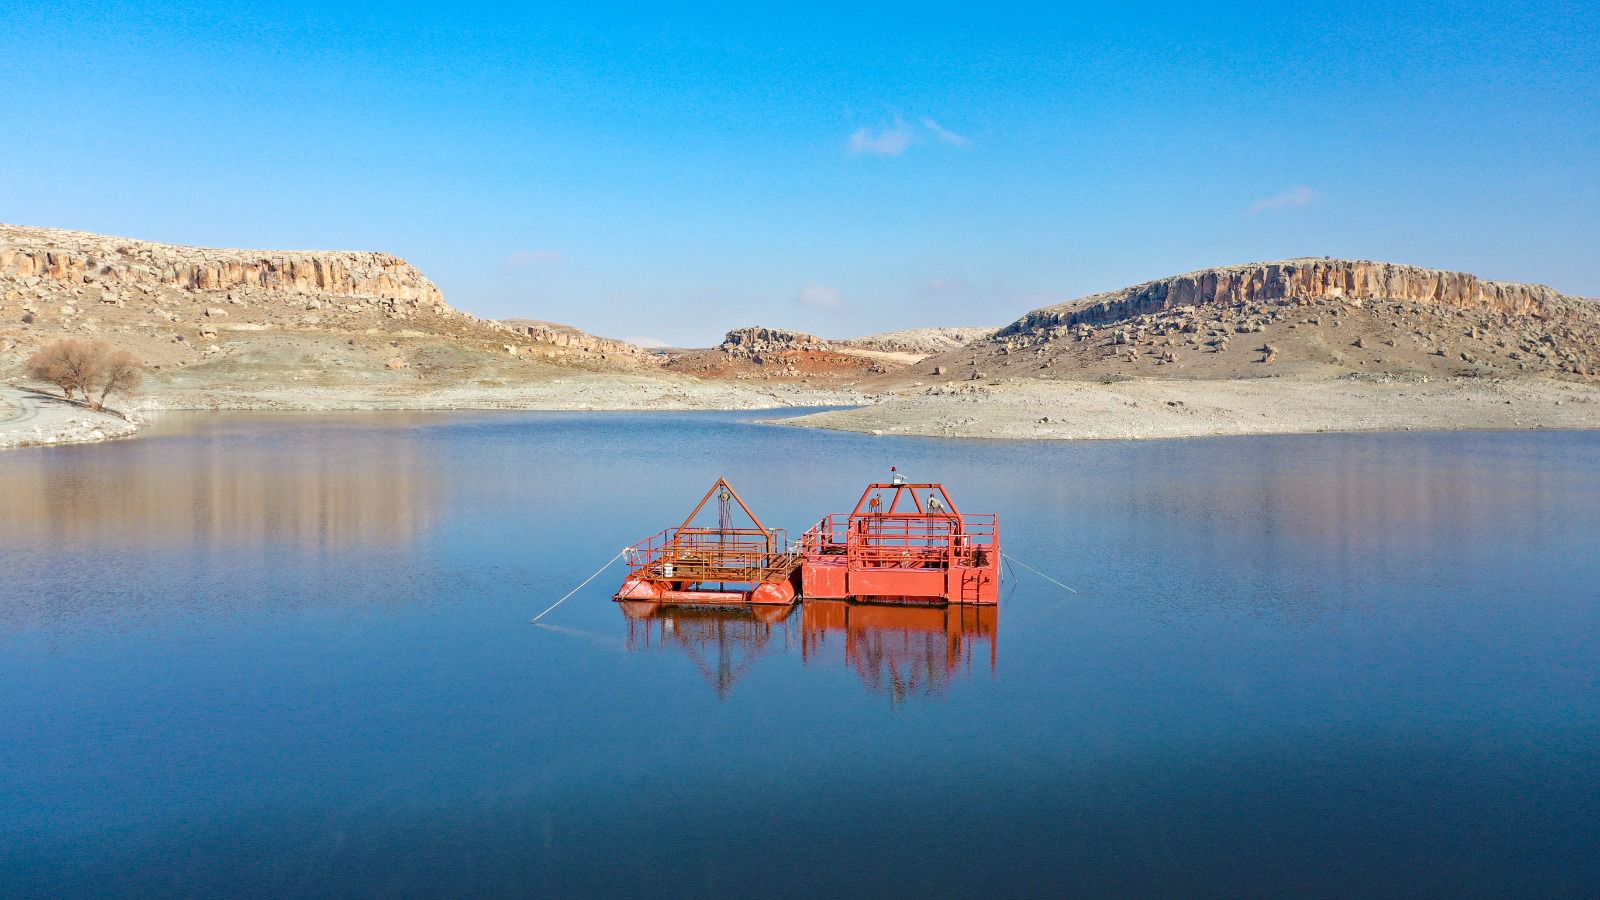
(33, 419)
(1023, 410)
(1145, 409)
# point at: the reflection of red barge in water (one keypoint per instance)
(900, 650)
(903, 649)
(903, 543)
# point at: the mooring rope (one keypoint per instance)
(535, 619)
(1011, 576)
(1009, 558)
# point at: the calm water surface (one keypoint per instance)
(262, 655)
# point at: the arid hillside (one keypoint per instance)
(775, 354)
(343, 330)
(1307, 317)
(207, 319)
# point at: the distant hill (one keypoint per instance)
(568, 336)
(1303, 316)
(760, 353)
(924, 341)
(205, 317)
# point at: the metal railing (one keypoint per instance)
(905, 541)
(696, 555)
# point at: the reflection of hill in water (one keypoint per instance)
(902, 651)
(330, 494)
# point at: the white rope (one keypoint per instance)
(1036, 572)
(580, 587)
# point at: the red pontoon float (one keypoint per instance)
(699, 565)
(913, 547)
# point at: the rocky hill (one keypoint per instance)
(204, 318)
(751, 343)
(567, 337)
(1303, 316)
(775, 354)
(919, 341)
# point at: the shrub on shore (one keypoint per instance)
(90, 368)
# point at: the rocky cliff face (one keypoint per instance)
(75, 258)
(1296, 279)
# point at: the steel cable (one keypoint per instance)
(1008, 557)
(580, 587)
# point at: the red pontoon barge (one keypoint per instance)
(903, 543)
(728, 564)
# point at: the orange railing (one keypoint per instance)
(700, 555)
(902, 541)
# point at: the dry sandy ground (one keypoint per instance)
(29, 419)
(1149, 408)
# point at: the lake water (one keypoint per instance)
(270, 655)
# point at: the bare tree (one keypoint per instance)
(46, 365)
(70, 364)
(83, 361)
(120, 374)
(81, 366)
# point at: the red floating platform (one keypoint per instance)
(731, 564)
(903, 543)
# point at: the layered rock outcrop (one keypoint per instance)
(1293, 280)
(756, 341)
(75, 257)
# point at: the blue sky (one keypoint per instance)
(674, 173)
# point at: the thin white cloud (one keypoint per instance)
(896, 139)
(946, 287)
(821, 297)
(649, 343)
(891, 141)
(1300, 196)
(945, 134)
(527, 259)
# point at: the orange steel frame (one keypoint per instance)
(680, 565)
(904, 550)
